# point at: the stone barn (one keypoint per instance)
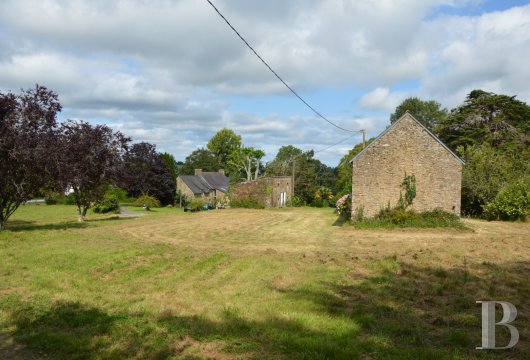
(406, 147)
(270, 191)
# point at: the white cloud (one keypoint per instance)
(167, 71)
(381, 99)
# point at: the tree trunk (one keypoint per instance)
(257, 170)
(79, 214)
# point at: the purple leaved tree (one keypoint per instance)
(90, 159)
(28, 143)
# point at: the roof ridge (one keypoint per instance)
(417, 122)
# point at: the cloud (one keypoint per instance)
(381, 99)
(170, 71)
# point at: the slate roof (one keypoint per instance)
(206, 182)
(420, 124)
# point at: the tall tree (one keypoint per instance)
(146, 172)
(90, 159)
(429, 113)
(223, 144)
(172, 165)
(305, 180)
(247, 160)
(500, 121)
(200, 159)
(27, 142)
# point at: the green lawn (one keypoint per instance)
(259, 284)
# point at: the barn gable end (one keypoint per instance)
(406, 147)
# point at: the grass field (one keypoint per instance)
(259, 284)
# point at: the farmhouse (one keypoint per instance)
(208, 185)
(406, 147)
(270, 191)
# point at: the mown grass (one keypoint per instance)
(253, 284)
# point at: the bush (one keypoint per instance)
(511, 203)
(57, 198)
(247, 203)
(401, 218)
(109, 204)
(343, 205)
(296, 201)
(147, 202)
(196, 204)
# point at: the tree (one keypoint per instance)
(500, 121)
(248, 160)
(146, 172)
(28, 133)
(172, 165)
(487, 171)
(305, 179)
(344, 169)
(200, 159)
(429, 113)
(224, 144)
(90, 159)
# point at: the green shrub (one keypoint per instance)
(119, 193)
(109, 204)
(296, 201)
(401, 218)
(196, 204)
(57, 198)
(147, 202)
(511, 203)
(247, 203)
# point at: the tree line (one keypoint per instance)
(38, 155)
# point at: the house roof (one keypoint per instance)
(206, 182)
(407, 114)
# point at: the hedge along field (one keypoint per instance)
(241, 283)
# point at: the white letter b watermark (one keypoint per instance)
(509, 313)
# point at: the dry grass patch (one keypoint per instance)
(244, 283)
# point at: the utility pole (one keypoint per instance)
(292, 180)
(364, 137)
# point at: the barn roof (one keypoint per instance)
(407, 114)
(206, 182)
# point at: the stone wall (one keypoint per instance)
(266, 191)
(181, 185)
(406, 148)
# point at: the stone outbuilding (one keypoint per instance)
(273, 191)
(211, 186)
(406, 147)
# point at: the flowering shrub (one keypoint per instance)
(343, 205)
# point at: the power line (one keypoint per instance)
(337, 143)
(278, 76)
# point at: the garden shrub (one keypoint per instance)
(511, 203)
(401, 218)
(109, 204)
(147, 202)
(57, 198)
(296, 201)
(196, 204)
(247, 203)
(343, 205)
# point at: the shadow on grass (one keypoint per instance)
(342, 219)
(20, 225)
(405, 312)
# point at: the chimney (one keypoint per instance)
(222, 171)
(198, 172)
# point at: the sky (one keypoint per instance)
(171, 72)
